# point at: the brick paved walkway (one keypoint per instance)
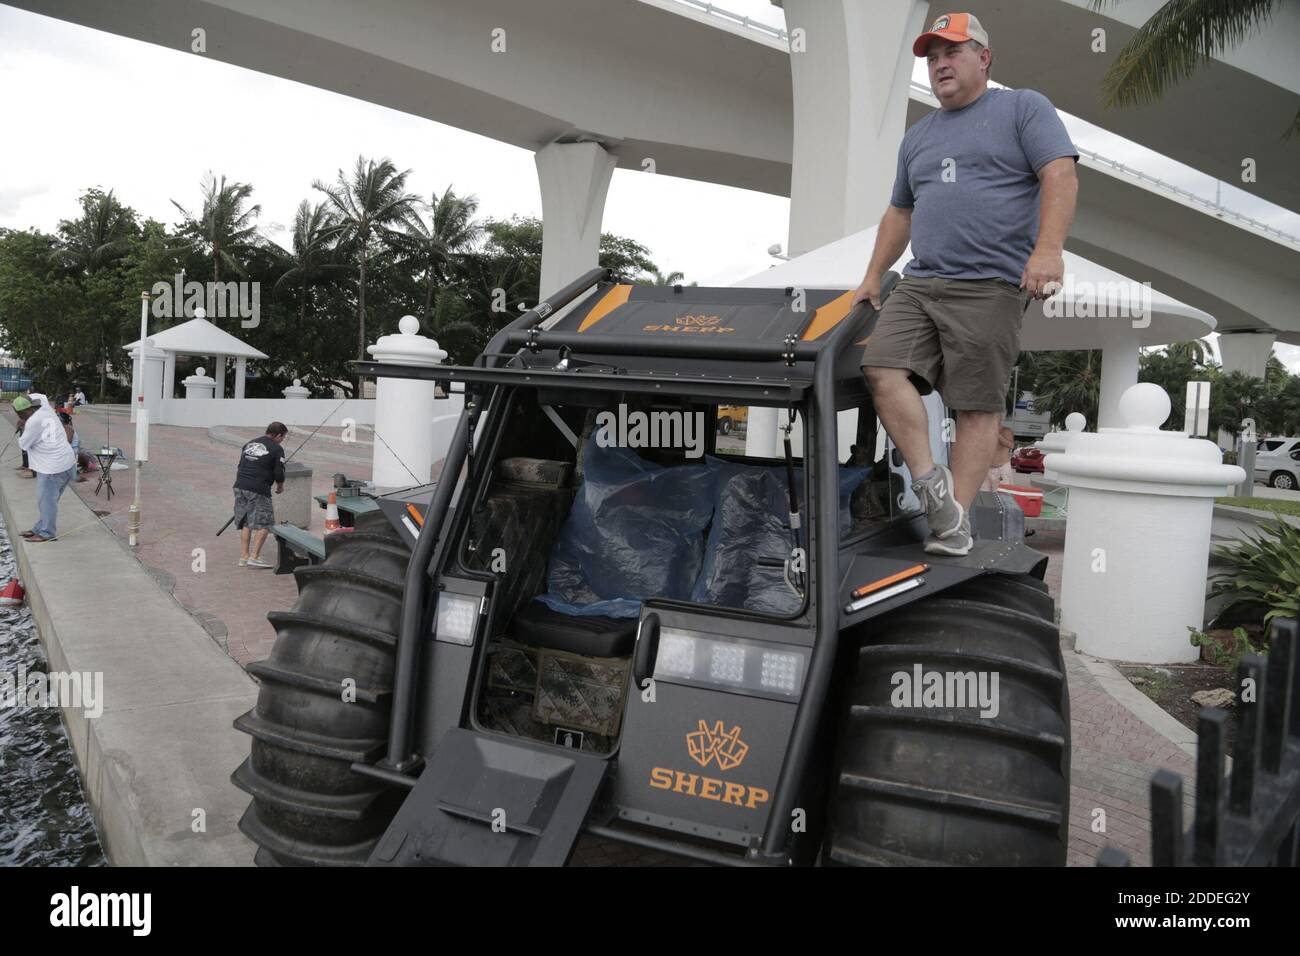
(186, 494)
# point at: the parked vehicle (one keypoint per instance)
(1279, 470)
(732, 417)
(1027, 459)
(699, 654)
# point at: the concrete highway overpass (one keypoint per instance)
(594, 84)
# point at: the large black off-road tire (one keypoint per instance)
(309, 808)
(924, 785)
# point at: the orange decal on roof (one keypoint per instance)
(610, 301)
(828, 316)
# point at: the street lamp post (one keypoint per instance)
(141, 427)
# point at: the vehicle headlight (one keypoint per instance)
(456, 618)
(698, 658)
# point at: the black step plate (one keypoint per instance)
(483, 800)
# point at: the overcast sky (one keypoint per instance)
(83, 108)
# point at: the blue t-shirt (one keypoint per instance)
(971, 177)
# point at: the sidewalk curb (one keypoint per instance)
(1137, 703)
(155, 764)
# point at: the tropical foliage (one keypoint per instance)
(1263, 570)
(359, 256)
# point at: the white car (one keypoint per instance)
(1281, 468)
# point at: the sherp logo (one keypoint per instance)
(220, 300)
(708, 744)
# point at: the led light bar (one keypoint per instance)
(716, 661)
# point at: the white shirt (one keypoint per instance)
(46, 443)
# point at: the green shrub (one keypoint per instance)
(1264, 569)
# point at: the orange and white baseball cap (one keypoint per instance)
(957, 27)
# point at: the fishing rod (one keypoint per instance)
(231, 519)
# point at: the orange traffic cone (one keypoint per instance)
(332, 514)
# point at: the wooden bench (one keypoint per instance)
(295, 547)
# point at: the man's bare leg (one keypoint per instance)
(972, 452)
(263, 532)
(902, 412)
(244, 535)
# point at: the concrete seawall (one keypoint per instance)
(156, 763)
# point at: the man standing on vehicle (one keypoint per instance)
(261, 463)
(985, 192)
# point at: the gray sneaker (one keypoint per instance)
(956, 544)
(258, 563)
(942, 509)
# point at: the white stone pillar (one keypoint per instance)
(574, 179)
(199, 385)
(169, 376)
(1246, 351)
(154, 365)
(241, 366)
(1137, 538)
(295, 390)
(403, 447)
(1119, 371)
(221, 376)
(1057, 442)
(850, 70)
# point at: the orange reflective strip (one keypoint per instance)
(414, 512)
(610, 301)
(828, 316)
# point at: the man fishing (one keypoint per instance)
(261, 464)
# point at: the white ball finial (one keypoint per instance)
(1144, 405)
(200, 313)
(1075, 422)
(409, 325)
(297, 383)
(200, 373)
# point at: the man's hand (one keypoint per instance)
(868, 290)
(279, 487)
(1043, 273)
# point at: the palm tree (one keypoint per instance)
(1196, 351)
(225, 229)
(313, 262)
(436, 247)
(1065, 382)
(659, 278)
(90, 244)
(1179, 38)
(100, 235)
(371, 206)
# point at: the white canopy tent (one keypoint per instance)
(199, 337)
(1075, 325)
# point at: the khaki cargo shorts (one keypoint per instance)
(961, 336)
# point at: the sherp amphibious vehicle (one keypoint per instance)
(605, 621)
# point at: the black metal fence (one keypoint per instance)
(1249, 817)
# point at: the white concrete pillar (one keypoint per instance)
(220, 371)
(1119, 371)
(199, 385)
(152, 388)
(1137, 538)
(403, 447)
(241, 366)
(1246, 351)
(574, 179)
(850, 69)
(169, 376)
(295, 390)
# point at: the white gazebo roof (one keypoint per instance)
(200, 337)
(841, 265)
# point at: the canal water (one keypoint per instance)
(44, 819)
